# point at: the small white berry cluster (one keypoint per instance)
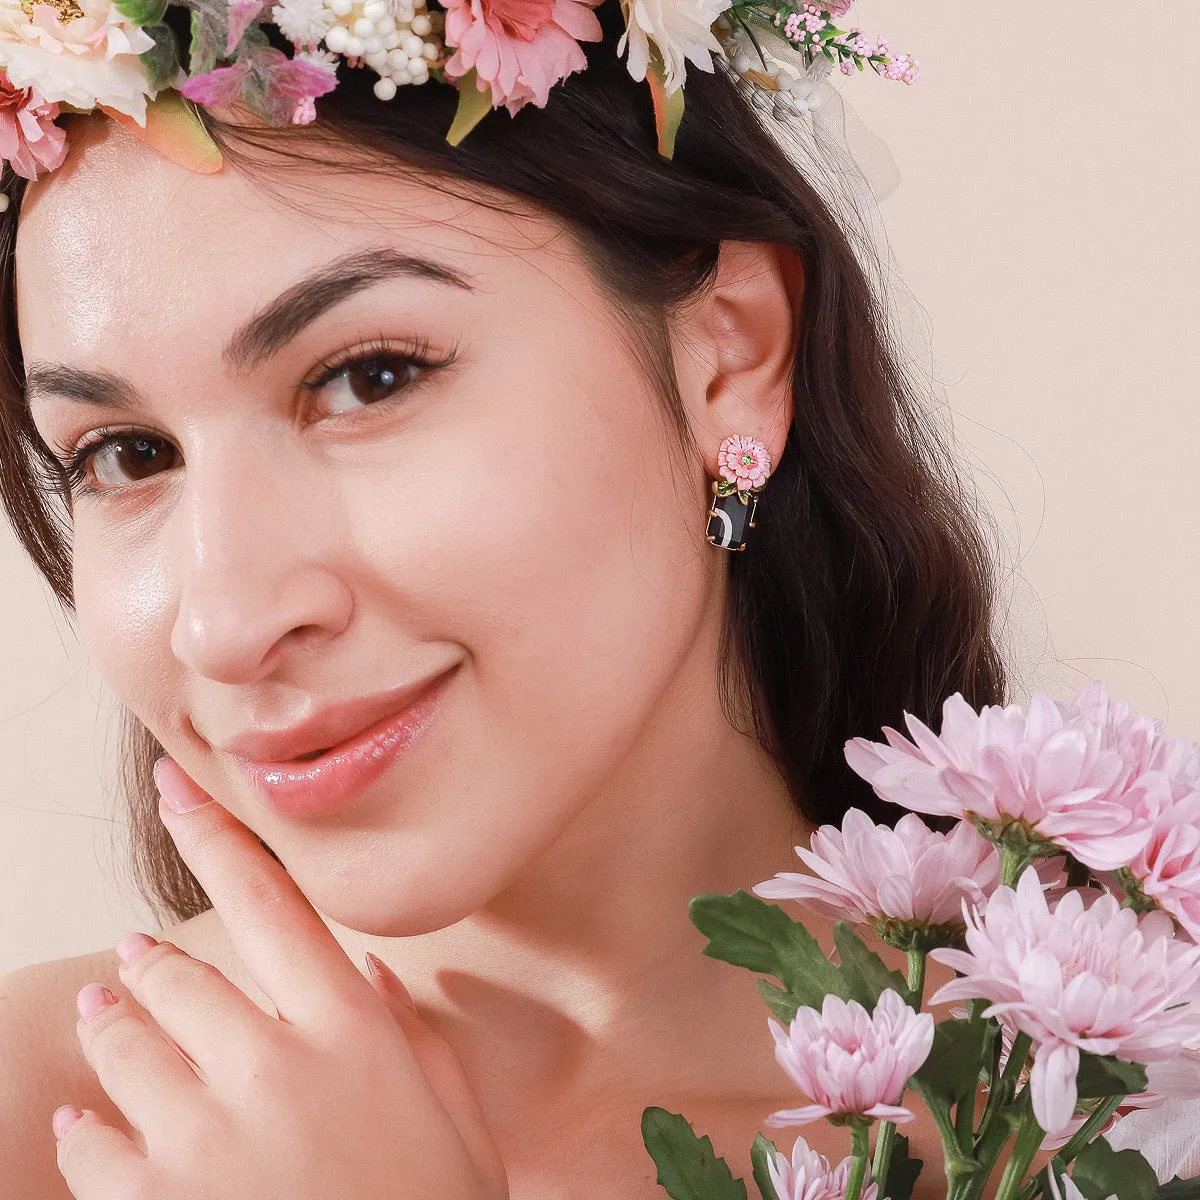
(784, 88)
(398, 39)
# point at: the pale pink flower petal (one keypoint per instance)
(519, 48)
(1098, 978)
(849, 1061)
(902, 881)
(29, 139)
(808, 1175)
(1052, 1084)
(1086, 776)
(743, 461)
(1167, 868)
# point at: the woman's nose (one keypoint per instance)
(257, 576)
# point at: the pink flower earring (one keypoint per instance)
(744, 465)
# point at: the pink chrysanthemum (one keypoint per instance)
(520, 48)
(744, 461)
(1065, 776)
(808, 1175)
(849, 1062)
(1167, 871)
(1100, 979)
(29, 138)
(905, 882)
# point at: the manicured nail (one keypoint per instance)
(92, 999)
(381, 970)
(178, 792)
(134, 945)
(64, 1117)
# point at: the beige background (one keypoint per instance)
(1045, 223)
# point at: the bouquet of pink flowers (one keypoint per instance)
(1066, 898)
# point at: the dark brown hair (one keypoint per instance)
(868, 590)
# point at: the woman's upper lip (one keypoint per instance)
(327, 726)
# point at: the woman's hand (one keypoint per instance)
(348, 1095)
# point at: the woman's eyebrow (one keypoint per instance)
(265, 333)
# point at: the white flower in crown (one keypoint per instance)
(77, 52)
(681, 31)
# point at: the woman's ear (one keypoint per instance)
(738, 346)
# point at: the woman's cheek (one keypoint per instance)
(124, 607)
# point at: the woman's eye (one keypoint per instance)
(368, 380)
(125, 458)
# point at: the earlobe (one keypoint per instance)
(749, 318)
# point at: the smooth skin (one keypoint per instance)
(524, 516)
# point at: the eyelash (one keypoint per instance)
(74, 460)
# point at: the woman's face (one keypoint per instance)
(292, 534)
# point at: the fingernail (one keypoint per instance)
(178, 792)
(92, 999)
(64, 1117)
(381, 970)
(134, 945)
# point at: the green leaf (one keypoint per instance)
(902, 1171)
(748, 932)
(668, 107)
(473, 106)
(1100, 1172)
(688, 1168)
(959, 1052)
(864, 970)
(1180, 1189)
(760, 1152)
(161, 61)
(209, 33)
(779, 1000)
(141, 12)
(1108, 1076)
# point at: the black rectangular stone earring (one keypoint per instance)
(744, 465)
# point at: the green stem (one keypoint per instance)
(883, 1153)
(1029, 1138)
(958, 1165)
(1083, 1135)
(916, 977)
(993, 1132)
(1011, 865)
(860, 1132)
(1092, 1125)
(964, 1120)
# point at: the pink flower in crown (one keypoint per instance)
(520, 48)
(1099, 979)
(851, 1062)
(808, 1175)
(908, 883)
(744, 461)
(1062, 775)
(29, 138)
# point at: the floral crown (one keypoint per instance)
(124, 58)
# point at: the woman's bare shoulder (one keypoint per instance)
(42, 1065)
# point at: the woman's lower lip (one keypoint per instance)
(333, 780)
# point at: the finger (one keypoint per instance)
(212, 1022)
(287, 948)
(96, 1161)
(444, 1070)
(144, 1075)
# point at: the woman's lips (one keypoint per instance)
(313, 787)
